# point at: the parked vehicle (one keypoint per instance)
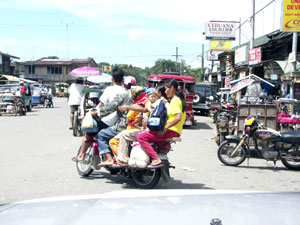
(269, 144)
(201, 100)
(287, 121)
(186, 84)
(7, 103)
(15, 88)
(61, 89)
(142, 177)
(224, 126)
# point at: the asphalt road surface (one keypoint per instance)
(36, 152)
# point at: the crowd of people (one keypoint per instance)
(122, 115)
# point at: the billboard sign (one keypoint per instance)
(220, 45)
(290, 16)
(212, 55)
(241, 56)
(220, 31)
(255, 56)
(106, 68)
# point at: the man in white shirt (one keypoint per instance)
(76, 93)
(108, 96)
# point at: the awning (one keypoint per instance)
(242, 84)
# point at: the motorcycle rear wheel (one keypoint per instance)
(75, 124)
(291, 160)
(146, 179)
(85, 168)
(225, 150)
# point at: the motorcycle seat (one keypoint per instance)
(292, 137)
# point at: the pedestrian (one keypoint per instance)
(76, 93)
(23, 94)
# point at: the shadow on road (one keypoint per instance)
(276, 169)
(128, 184)
(199, 126)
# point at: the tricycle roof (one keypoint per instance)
(159, 77)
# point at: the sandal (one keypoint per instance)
(154, 166)
(119, 165)
(105, 164)
(75, 159)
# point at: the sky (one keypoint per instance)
(136, 32)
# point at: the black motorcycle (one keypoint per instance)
(48, 103)
(269, 144)
(224, 126)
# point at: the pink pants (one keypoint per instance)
(147, 137)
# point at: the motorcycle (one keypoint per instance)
(48, 103)
(145, 178)
(269, 144)
(19, 107)
(224, 125)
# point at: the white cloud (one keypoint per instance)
(11, 42)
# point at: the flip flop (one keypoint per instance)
(151, 166)
(75, 159)
(119, 165)
(105, 164)
(70, 128)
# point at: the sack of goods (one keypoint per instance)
(138, 157)
(158, 118)
(89, 125)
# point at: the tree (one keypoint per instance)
(52, 57)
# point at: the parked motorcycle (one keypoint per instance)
(142, 177)
(224, 126)
(269, 144)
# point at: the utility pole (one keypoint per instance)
(240, 32)
(176, 58)
(252, 44)
(202, 64)
(294, 50)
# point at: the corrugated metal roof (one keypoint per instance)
(11, 56)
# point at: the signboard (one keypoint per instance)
(106, 68)
(227, 81)
(241, 56)
(212, 55)
(220, 45)
(220, 31)
(274, 77)
(255, 56)
(290, 16)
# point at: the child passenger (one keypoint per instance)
(174, 124)
(129, 135)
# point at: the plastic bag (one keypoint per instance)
(87, 121)
(138, 157)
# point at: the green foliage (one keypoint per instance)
(161, 66)
(52, 57)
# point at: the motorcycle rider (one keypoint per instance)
(110, 118)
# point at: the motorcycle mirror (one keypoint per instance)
(211, 98)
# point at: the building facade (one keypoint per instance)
(53, 70)
(5, 63)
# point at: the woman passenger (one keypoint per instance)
(174, 124)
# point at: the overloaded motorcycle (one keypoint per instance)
(269, 144)
(224, 126)
(141, 176)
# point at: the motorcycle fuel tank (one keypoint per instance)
(267, 135)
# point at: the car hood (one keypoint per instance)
(158, 207)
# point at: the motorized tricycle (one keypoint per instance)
(186, 84)
(269, 144)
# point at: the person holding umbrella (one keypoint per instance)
(76, 93)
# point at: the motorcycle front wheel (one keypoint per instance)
(146, 179)
(85, 168)
(225, 150)
(291, 159)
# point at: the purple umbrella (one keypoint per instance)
(84, 72)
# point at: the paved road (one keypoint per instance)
(36, 153)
